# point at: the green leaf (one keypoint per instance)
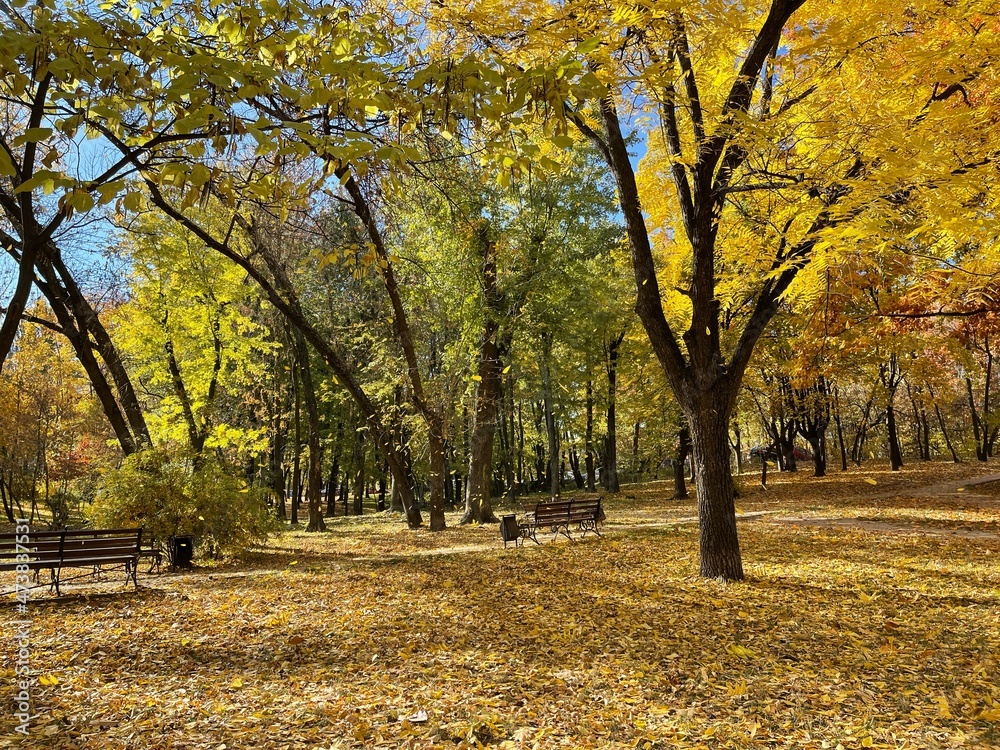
(33, 135)
(7, 168)
(37, 180)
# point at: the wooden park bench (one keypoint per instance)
(89, 548)
(559, 515)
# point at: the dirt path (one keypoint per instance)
(951, 489)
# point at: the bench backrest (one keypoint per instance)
(565, 511)
(72, 545)
(552, 512)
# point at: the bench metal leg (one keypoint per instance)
(528, 532)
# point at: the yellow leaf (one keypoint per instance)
(870, 480)
(943, 710)
(741, 652)
(737, 689)
(236, 683)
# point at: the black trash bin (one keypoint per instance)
(182, 551)
(509, 530)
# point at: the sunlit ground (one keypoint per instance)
(870, 618)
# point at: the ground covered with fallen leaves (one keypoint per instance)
(870, 618)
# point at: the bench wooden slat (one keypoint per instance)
(559, 514)
(55, 550)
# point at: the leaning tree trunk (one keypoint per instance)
(944, 429)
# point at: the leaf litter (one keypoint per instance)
(840, 638)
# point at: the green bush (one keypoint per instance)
(166, 497)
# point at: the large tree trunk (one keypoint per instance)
(478, 508)
(719, 542)
(89, 321)
(102, 388)
(129, 426)
(18, 301)
(704, 383)
(818, 445)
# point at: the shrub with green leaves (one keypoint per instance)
(167, 497)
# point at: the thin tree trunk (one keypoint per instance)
(840, 430)
(358, 489)
(297, 447)
(683, 449)
(314, 479)
(277, 470)
(611, 445)
(589, 439)
(552, 436)
(944, 431)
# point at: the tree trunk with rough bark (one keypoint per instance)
(478, 507)
(719, 543)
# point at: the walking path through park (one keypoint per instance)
(952, 489)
